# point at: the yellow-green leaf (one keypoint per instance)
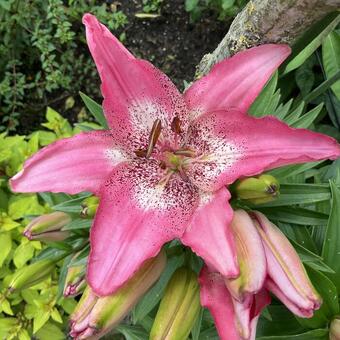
(5, 246)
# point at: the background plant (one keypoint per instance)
(44, 57)
(224, 8)
(304, 93)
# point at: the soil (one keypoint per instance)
(171, 41)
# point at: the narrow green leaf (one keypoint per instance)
(132, 332)
(78, 223)
(283, 109)
(322, 88)
(153, 296)
(5, 246)
(293, 170)
(311, 47)
(95, 109)
(72, 205)
(307, 119)
(291, 194)
(331, 246)
(295, 114)
(295, 215)
(262, 102)
(331, 59)
(209, 334)
(316, 334)
(330, 305)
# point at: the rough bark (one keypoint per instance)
(268, 21)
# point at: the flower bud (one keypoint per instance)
(179, 307)
(75, 281)
(31, 275)
(287, 277)
(334, 329)
(89, 206)
(257, 190)
(48, 227)
(250, 255)
(95, 316)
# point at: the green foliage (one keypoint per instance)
(38, 309)
(223, 8)
(44, 57)
(152, 6)
(306, 211)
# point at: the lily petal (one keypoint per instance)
(248, 312)
(135, 92)
(291, 305)
(135, 217)
(285, 269)
(235, 82)
(251, 258)
(209, 234)
(215, 297)
(71, 165)
(233, 144)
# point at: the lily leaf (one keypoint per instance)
(95, 109)
(311, 47)
(331, 246)
(330, 305)
(331, 59)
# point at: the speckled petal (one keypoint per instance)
(136, 216)
(135, 92)
(209, 234)
(237, 81)
(71, 165)
(232, 145)
(215, 297)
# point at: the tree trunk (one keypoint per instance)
(267, 21)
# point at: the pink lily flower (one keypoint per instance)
(234, 320)
(268, 262)
(162, 169)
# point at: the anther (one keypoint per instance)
(154, 135)
(176, 125)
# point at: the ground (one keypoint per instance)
(171, 41)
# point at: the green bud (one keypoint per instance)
(179, 307)
(75, 281)
(89, 206)
(31, 275)
(334, 329)
(48, 227)
(257, 190)
(95, 316)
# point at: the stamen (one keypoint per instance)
(176, 125)
(140, 153)
(163, 182)
(185, 152)
(154, 135)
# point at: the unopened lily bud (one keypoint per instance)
(75, 281)
(250, 256)
(31, 275)
(179, 307)
(95, 316)
(89, 206)
(257, 190)
(334, 329)
(48, 227)
(287, 277)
